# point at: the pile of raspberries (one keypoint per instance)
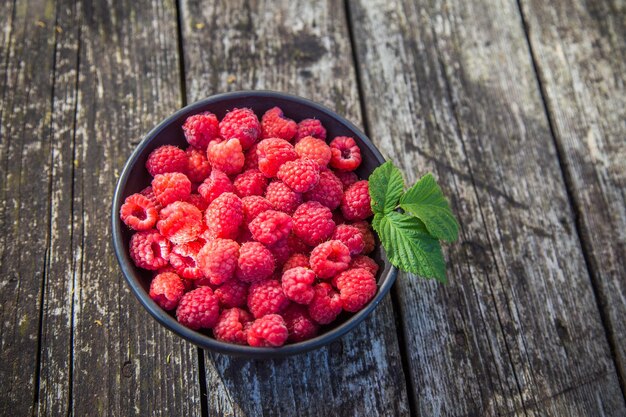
(258, 230)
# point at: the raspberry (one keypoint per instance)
(272, 153)
(148, 192)
(299, 324)
(297, 245)
(347, 178)
(232, 293)
(198, 201)
(241, 124)
(329, 258)
(149, 250)
(251, 158)
(328, 191)
(356, 288)
(351, 237)
(300, 175)
(253, 206)
(369, 241)
(226, 156)
(282, 197)
(313, 222)
(171, 187)
(138, 212)
(325, 305)
(231, 326)
(198, 167)
(166, 290)
(256, 262)
(200, 129)
(270, 226)
(297, 259)
(274, 124)
(268, 331)
(216, 184)
(166, 159)
(224, 216)
(297, 284)
(266, 297)
(281, 252)
(346, 155)
(218, 260)
(180, 222)
(250, 182)
(365, 262)
(184, 259)
(355, 203)
(310, 127)
(198, 309)
(314, 149)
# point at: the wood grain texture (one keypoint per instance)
(450, 87)
(579, 50)
(302, 48)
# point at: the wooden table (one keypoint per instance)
(517, 107)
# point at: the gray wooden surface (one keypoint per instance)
(517, 107)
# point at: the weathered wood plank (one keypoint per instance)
(301, 48)
(579, 50)
(450, 87)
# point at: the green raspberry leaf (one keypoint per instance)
(409, 246)
(425, 200)
(386, 186)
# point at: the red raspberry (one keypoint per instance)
(369, 241)
(250, 182)
(198, 201)
(365, 262)
(274, 124)
(297, 284)
(272, 153)
(281, 252)
(180, 222)
(329, 258)
(200, 129)
(299, 324)
(295, 260)
(347, 178)
(328, 191)
(356, 288)
(266, 297)
(148, 192)
(138, 212)
(171, 187)
(224, 216)
(282, 197)
(313, 222)
(184, 258)
(355, 203)
(241, 124)
(149, 250)
(216, 184)
(346, 155)
(166, 159)
(314, 149)
(325, 305)
(232, 293)
(297, 245)
(198, 167)
(300, 175)
(226, 156)
(231, 326)
(268, 331)
(218, 260)
(351, 237)
(310, 127)
(253, 206)
(252, 159)
(166, 290)
(198, 309)
(256, 262)
(270, 226)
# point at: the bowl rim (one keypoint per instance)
(204, 341)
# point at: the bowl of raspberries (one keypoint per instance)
(242, 223)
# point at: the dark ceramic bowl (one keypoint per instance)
(135, 177)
